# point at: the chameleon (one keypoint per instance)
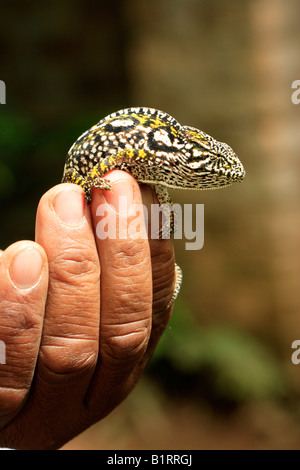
(155, 149)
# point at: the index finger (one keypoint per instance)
(126, 290)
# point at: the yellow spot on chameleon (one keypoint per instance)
(112, 159)
(130, 153)
(103, 167)
(198, 135)
(142, 154)
(173, 131)
(142, 119)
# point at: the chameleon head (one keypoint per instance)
(213, 164)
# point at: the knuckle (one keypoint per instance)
(73, 264)
(11, 399)
(58, 362)
(126, 343)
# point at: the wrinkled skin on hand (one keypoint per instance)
(80, 316)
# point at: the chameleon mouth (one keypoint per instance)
(225, 177)
(241, 173)
(236, 174)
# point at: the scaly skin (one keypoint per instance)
(156, 150)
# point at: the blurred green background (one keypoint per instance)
(222, 376)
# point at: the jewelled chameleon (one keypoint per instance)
(156, 150)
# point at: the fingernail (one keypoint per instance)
(121, 196)
(69, 206)
(26, 268)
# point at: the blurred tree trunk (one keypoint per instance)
(227, 67)
(276, 41)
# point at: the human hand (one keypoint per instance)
(78, 316)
